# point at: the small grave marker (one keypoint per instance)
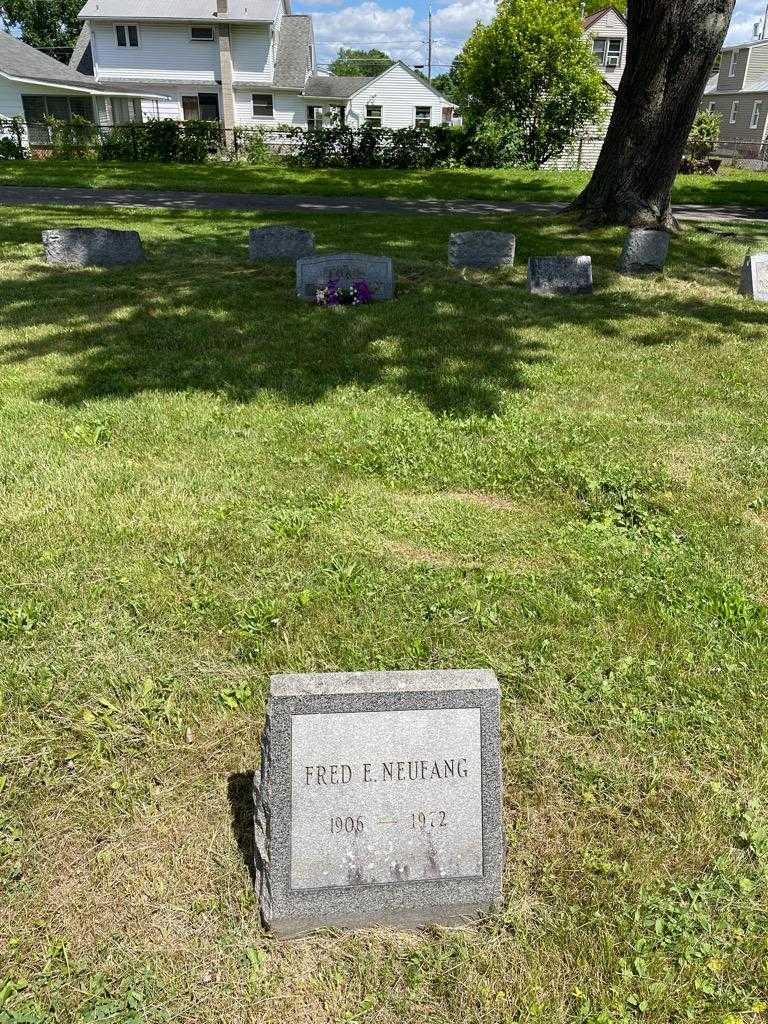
(560, 275)
(644, 251)
(379, 800)
(313, 272)
(92, 247)
(484, 250)
(754, 277)
(279, 242)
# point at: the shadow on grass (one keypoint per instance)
(240, 796)
(197, 316)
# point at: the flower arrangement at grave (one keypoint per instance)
(358, 293)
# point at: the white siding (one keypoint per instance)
(398, 92)
(166, 52)
(289, 108)
(10, 100)
(159, 109)
(611, 26)
(252, 54)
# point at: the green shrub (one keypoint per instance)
(495, 141)
(164, 141)
(402, 148)
(75, 139)
(702, 140)
(12, 143)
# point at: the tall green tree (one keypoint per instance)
(671, 49)
(592, 6)
(43, 23)
(360, 62)
(532, 69)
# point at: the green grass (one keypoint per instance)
(204, 481)
(730, 187)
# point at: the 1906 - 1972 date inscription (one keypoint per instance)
(354, 825)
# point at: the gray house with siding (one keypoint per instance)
(739, 93)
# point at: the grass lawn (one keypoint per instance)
(729, 187)
(204, 481)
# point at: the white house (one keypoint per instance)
(241, 62)
(34, 86)
(606, 32)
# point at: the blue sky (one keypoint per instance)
(400, 27)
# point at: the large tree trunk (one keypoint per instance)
(671, 49)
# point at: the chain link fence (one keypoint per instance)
(747, 154)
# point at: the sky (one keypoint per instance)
(400, 28)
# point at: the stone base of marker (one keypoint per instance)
(314, 272)
(279, 242)
(560, 275)
(379, 801)
(754, 277)
(644, 252)
(483, 250)
(92, 247)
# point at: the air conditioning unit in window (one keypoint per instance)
(613, 62)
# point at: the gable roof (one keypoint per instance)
(593, 19)
(293, 58)
(411, 72)
(82, 55)
(181, 10)
(22, 63)
(335, 87)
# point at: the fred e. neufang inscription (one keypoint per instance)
(379, 800)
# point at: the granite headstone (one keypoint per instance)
(644, 251)
(279, 242)
(484, 250)
(92, 247)
(754, 276)
(379, 800)
(314, 272)
(560, 275)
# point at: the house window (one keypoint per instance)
(201, 33)
(423, 117)
(338, 115)
(203, 107)
(63, 108)
(732, 67)
(373, 113)
(314, 117)
(734, 111)
(263, 105)
(608, 51)
(126, 110)
(756, 112)
(447, 115)
(127, 35)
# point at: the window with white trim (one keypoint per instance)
(201, 33)
(127, 35)
(756, 112)
(373, 115)
(126, 110)
(423, 117)
(608, 52)
(263, 105)
(734, 112)
(314, 117)
(732, 65)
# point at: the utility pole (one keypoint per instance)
(429, 47)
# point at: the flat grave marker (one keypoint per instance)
(314, 272)
(379, 800)
(560, 275)
(279, 242)
(483, 250)
(754, 276)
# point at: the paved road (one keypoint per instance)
(24, 195)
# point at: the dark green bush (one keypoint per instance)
(402, 148)
(164, 141)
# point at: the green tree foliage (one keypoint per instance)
(592, 6)
(532, 68)
(447, 83)
(43, 23)
(360, 62)
(704, 136)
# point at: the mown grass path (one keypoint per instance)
(204, 481)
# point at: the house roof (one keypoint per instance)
(82, 55)
(293, 58)
(593, 19)
(22, 63)
(335, 87)
(180, 10)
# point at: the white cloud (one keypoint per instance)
(746, 13)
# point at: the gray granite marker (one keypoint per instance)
(644, 251)
(754, 276)
(92, 247)
(313, 272)
(485, 250)
(560, 275)
(278, 242)
(379, 800)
